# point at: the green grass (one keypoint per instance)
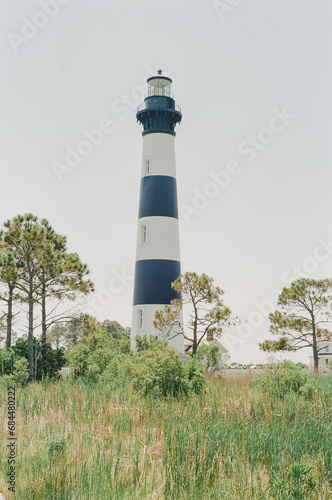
(97, 442)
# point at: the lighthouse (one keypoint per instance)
(158, 247)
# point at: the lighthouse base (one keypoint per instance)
(142, 323)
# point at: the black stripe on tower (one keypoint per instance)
(158, 197)
(153, 280)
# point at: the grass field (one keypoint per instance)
(97, 442)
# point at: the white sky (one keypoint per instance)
(228, 76)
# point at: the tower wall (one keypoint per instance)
(158, 248)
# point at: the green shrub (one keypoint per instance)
(160, 371)
(194, 373)
(21, 372)
(93, 373)
(7, 359)
(48, 365)
(282, 378)
(144, 343)
(157, 371)
(56, 444)
(309, 388)
(19, 375)
(96, 354)
(211, 357)
(298, 484)
(117, 368)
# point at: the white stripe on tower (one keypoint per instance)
(158, 248)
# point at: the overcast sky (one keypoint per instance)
(254, 81)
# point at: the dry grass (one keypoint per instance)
(228, 444)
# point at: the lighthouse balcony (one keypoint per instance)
(159, 102)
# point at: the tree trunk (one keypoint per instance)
(195, 333)
(44, 329)
(36, 362)
(314, 345)
(10, 317)
(30, 339)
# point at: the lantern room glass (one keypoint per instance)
(159, 87)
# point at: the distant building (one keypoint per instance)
(65, 372)
(324, 355)
(207, 339)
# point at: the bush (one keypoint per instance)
(194, 373)
(14, 362)
(309, 388)
(211, 357)
(19, 375)
(298, 484)
(160, 371)
(48, 365)
(6, 361)
(116, 369)
(99, 357)
(282, 378)
(21, 372)
(56, 444)
(153, 369)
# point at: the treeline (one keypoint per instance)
(35, 270)
(70, 336)
(70, 333)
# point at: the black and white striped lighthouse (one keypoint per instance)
(158, 248)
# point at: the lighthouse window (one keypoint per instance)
(144, 234)
(147, 165)
(140, 319)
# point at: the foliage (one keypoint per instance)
(70, 333)
(7, 360)
(18, 375)
(97, 353)
(144, 343)
(305, 308)
(208, 310)
(299, 483)
(153, 369)
(309, 388)
(281, 378)
(78, 327)
(56, 334)
(13, 360)
(35, 266)
(302, 365)
(194, 374)
(211, 357)
(114, 329)
(56, 444)
(159, 370)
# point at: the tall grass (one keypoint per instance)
(91, 442)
